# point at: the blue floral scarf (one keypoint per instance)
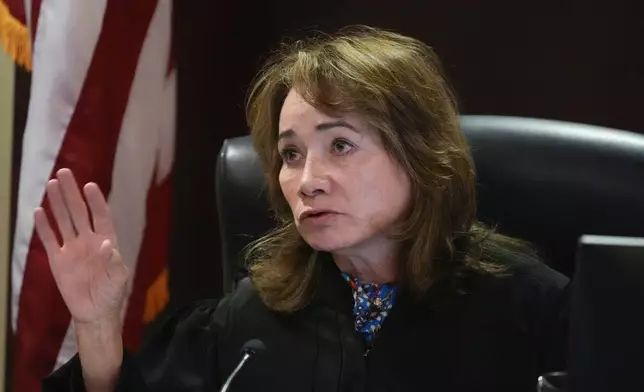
(371, 305)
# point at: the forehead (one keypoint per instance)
(296, 113)
(295, 109)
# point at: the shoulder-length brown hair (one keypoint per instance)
(398, 84)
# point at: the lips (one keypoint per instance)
(317, 213)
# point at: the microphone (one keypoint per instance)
(248, 351)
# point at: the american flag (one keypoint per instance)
(102, 103)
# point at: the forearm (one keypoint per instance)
(100, 349)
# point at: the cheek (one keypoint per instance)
(401, 196)
(385, 197)
(289, 185)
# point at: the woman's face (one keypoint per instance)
(344, 190)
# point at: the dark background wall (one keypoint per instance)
(571, 60)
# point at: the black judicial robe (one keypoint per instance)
(492, 334)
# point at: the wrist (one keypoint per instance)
(100, 348)
(104, 338)
(98, 331)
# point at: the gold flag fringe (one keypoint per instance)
(14, 38)
(157, 297)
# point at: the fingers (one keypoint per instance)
(59, 209)
(74, 201)
(70, 210)
(45, 232)
(101, 216)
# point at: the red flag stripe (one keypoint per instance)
(35, 16)
(17, 9)
(152, 258)
(145, 148)
(88, 148)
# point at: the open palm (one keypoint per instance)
(88, 269)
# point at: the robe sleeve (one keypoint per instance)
(180, 356)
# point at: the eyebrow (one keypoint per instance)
(289, 133)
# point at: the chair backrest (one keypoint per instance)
(544, 181)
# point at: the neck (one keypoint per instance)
(368, 266)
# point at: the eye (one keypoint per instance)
(289, 155)
(342, 146)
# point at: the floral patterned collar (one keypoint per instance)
(371, 305)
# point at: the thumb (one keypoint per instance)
(113, 263)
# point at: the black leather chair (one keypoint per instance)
(541, 180)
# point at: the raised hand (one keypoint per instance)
(87, 267)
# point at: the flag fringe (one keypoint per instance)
(156, 298)
(15, 38)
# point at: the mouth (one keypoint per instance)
(311, 214)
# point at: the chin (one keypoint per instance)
(329, 243)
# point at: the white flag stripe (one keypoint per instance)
(137, 149)
(61, 58)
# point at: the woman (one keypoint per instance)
(378, 276)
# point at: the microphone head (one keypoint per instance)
(252, 347)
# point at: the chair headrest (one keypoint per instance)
(541, 180)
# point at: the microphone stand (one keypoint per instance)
(241, 363)
(250, 348)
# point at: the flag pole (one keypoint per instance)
(7, 70)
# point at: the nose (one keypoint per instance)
(315, 178)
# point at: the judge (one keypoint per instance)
(378, 276)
